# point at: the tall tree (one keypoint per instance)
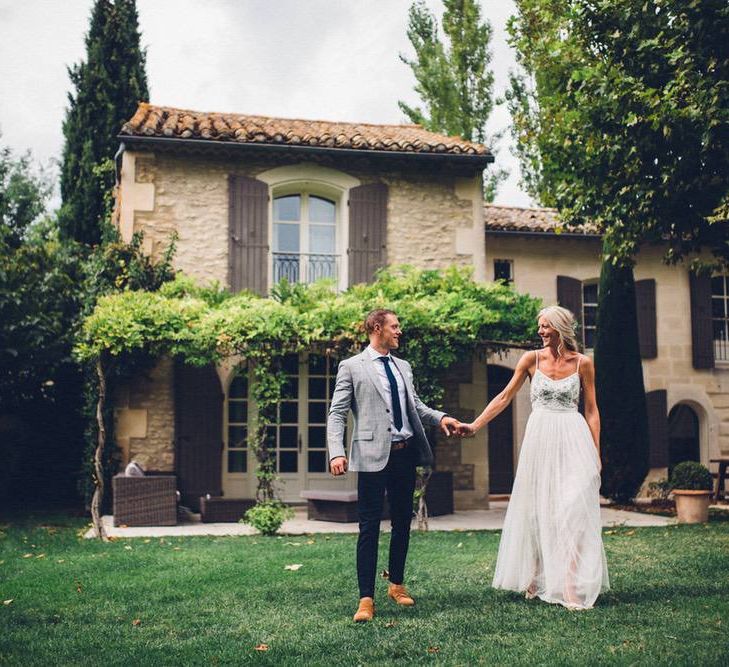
(453, 77)
(106, 89)
(621, 117)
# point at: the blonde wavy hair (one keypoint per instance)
(564, 323)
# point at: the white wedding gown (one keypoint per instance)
(552, 539)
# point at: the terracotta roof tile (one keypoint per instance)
(530, 220)
(166, 122)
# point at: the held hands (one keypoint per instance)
(453, 427)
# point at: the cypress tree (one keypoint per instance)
(106, 89)
(619, 382)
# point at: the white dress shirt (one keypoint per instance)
(407, 430)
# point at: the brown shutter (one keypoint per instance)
(569, 295)
(367, 231)
(657, 405)
(645, 302)
(248, 232)
(701, 331)
(198, 432)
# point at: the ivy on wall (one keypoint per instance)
(445, 316)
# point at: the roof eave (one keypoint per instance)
(549, 234)
(475, 161)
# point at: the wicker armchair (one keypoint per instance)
(145, 501)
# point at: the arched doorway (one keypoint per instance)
(683, 435)
(501, 435)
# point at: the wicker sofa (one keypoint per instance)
(145, 501)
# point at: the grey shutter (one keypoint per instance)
(569, 295)
(198, 432)
(645, 302)
(702, 336)
(367, 231)
(657, 405)
(248, 234)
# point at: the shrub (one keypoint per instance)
(267, 516)
(691, 476)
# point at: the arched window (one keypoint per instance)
(305, 242)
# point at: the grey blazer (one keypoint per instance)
(358, 389)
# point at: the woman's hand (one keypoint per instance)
(466, 430)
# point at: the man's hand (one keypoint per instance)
(338, 465)
(449, 425)
(466, 430)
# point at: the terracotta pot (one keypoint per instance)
(692, 506)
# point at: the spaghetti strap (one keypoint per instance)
(579, 359)
(536, 356)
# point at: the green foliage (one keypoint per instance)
(106, 89)
(621, 117)
(619, 385)
(453, 79)
(691, 476)
(267, 516)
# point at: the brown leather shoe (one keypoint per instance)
(365, 611)
(399, 594)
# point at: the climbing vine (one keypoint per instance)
(445, 314)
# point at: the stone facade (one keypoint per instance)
(433, 221)
(537, 260)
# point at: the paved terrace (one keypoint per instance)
(490, 519)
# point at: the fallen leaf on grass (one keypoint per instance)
(176, 548)
(390, 624)
(79, 588)
(127, 547)
(293, 567)
(8, 602)
(41, 556)
(610, 532)
(433, 649)
(137, 621)
(310, 542)
(261, 647)
(147, 541)
(459, 545)
(630, 532)
(385, 574)
(60, 560)
(27, 555)
(293, 544)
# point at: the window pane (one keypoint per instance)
(332, 384)
(237, 462)
(237, 436)
(332, 363)
(271, 437)
(717, 307)
(288, 437)
(718, 286)
(317, 388)
(590, 316)
(285, 238)
(317, 413)
(238, 411)
(589, 293)
(317, 437)
(321, 239)
(268, 415)
(290, 388)
(317, 364)
(239, 387)
(289, 412)
(502, 269)
(288, 461)
(290, 364)
(287, 208)
(317, 462)
(321, 210)
(589, 338)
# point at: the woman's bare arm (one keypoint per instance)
(500, 402)
(592, 415)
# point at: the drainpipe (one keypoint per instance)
(118, 162)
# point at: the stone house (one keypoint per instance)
(255, 199)
(683, 323)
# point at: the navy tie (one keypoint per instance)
(396, 409)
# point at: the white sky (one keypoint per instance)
(327, 59)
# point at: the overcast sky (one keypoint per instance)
(317, 59)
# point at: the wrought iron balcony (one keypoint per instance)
(304, 267)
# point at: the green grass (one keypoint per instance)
(213, 600)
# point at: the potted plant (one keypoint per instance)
(691, 484)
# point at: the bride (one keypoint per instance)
(551, 546)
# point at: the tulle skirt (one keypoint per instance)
(551, 544)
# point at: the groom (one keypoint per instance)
(388, 441)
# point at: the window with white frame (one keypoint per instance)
(305, 243)
(589, 313)
(720, 316)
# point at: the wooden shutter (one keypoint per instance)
(569, 295)
(657, 405)
(248, 234)
(367, 231)
(645, 302)
(501, 435)
(702, 337)
(198, 432)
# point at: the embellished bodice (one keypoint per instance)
(561, 395)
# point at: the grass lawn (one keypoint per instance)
(213, 600)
